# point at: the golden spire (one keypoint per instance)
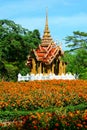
(46, 24)
(46, 35)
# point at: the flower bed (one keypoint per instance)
(42, 94)
(35, 95)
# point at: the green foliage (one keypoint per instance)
(16, 43)
(77, 41)
(11, 115)
(46, 119)
(11, 72)
(76, 57)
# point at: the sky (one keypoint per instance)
(64, 16)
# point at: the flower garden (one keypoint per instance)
(43, 105)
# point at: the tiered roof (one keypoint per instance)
(47, 50)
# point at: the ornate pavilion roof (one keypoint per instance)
(47, 50)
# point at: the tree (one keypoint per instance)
(78, 53)
(77, 41)
(15, 44)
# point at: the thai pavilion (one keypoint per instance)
(46, 58)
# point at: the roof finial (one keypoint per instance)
(46, 24)
(46, 30)
(46, 17)
(46, 35)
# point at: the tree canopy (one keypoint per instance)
(15, 44)
(76, 56)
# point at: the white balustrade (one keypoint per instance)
(46, 77)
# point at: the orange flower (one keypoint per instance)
(38, 115)
(79, 125)
(71, 114)
(35, 127)
(56, 124)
